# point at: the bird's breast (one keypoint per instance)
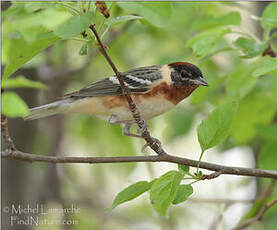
(160, 99)
(172, 93)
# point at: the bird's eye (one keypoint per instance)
(186, 74)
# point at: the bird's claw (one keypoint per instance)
(143, 128)
(113, 119)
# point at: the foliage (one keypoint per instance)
(156, 16)
(269, 19)
(216, 127)
(242, 78)
(130, 193)
(205, 43)
(12, 105)
(21, 81)
(164, 191)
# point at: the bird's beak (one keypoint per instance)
(200, 81)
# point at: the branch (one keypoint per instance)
(258, 217)
(240, 171)
(5, 132)
(152, 142)
(269, 51)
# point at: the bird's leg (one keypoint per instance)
(113, 120)
(127, 124)
(126, 130)
(145, 126)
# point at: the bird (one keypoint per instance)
(154, 89)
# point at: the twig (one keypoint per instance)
(240, 171)
(258, 217)
(154, 144)
(212, 175)
(269, 51)
(5, 132)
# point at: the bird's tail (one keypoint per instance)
(57, 107)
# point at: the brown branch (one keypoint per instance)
(258, 217)
(212, 175)
(152, 142)
(240, 171)
(260, 203)
(5, 132)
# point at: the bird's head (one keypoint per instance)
(186, 74)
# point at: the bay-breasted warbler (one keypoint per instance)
(154, 89)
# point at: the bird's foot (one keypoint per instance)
(127, 124)
(113, 120)
(143, 128)
(127, 130)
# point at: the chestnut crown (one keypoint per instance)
(184, 73)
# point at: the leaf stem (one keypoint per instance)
(200, 158)
(194, 182)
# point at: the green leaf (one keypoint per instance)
(22, 19)
(200, 175)
(74, 25)
(183, 192)
(214, 129)
(130, 193)
(269, 17)
(163, 191)
(267, 132)
(13, 106)
(253, 110)
(268, 157)
(158, 13)
(250, 47)
(119, 19)
(21, 52)
(240, 83)
(181, 121)
(183, 168)
(22, 82)
(266, 67)
(84, 49)
(233, 18)
(205, 43)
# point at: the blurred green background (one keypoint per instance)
(206, 34)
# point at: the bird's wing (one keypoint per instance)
(137, 81)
